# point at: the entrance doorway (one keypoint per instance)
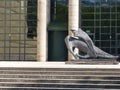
(58, 30)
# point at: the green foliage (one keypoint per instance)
(61, 13)
(87, 9)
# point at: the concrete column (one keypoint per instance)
(42, 31)
(73, 19)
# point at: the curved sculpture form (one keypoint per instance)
(86, 47)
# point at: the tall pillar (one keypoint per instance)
(73, 19)
(42, 31)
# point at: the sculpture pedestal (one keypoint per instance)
(94, 61)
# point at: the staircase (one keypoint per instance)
(59, 79)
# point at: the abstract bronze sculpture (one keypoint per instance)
(86, 47)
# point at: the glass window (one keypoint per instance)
(59, 10)
(103, 16)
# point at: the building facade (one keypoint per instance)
(34, 30)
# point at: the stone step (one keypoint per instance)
(61, 85)
(59, 79)
(60, 72)
(86, 81)
(109, 77)
(45, 88)
(59, 69)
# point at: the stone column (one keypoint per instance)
(42, 31)
(73, 19)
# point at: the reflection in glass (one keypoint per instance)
(102, 17)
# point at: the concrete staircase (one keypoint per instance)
(59, 79)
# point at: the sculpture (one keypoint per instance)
(86, 47)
